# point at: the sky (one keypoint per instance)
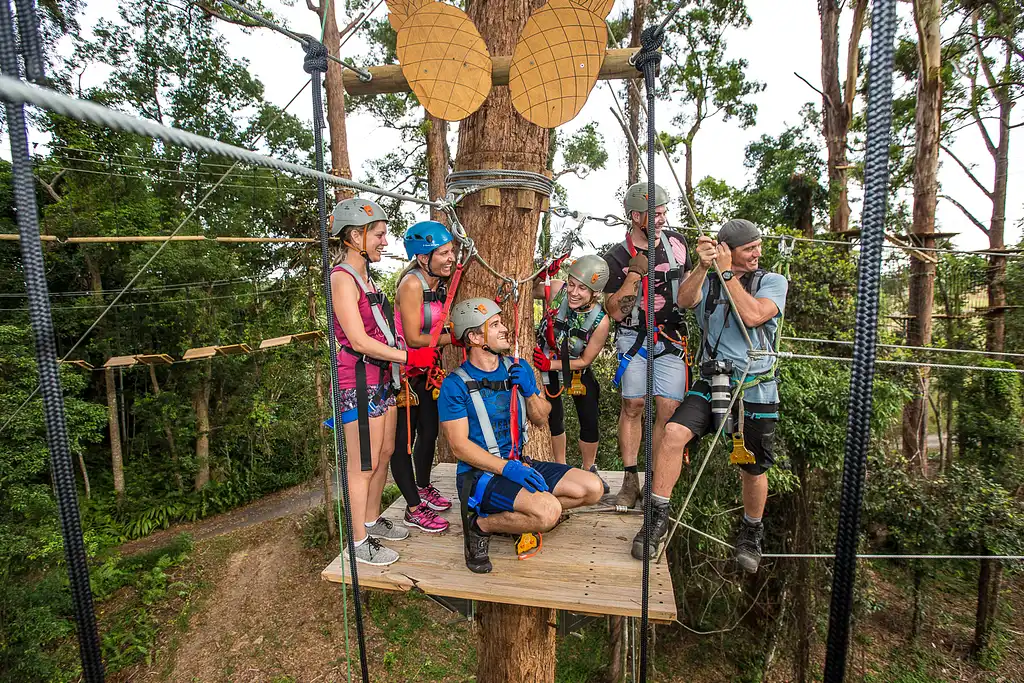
(777, 44)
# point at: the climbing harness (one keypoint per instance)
(564, 339)
(634, 321)
(436, 374)
(430, 296)
(380, 307)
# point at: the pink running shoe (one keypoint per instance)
(425, 519)
(433, 498)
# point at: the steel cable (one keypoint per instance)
(315, 64)
(61, 466)
(858, 431)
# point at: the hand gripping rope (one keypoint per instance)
(315, 65)
(61, 467)
(647, 61)
(858, 429)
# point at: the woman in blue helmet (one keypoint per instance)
(422, 290)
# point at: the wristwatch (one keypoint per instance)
(727, 275)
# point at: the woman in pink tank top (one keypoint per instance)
(368, 359)
(421, 293)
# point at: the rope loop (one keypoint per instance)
(316, 56)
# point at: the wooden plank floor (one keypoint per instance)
(584, 565)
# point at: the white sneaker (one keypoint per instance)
(372, 552)
(386, 529)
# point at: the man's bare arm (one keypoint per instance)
(621, 303)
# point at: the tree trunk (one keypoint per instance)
(633, 103)
(114, 424)
(837, 109)
(995, 332)
(917, 605)
(437, 162)
(515, 643)
(927, 18)
(802, 617)
(616, 638)
(201, 404)
(85, 476)
(335, 91)
(982, 615)
(168, 431)
(688, 180)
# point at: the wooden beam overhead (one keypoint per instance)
(389, 79)
(200, 353)
(154, 359)
(120, 362)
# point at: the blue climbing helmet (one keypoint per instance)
(424, 237)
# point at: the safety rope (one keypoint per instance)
(902, 363)
(865, 331)
(27, 216)
(315, 64)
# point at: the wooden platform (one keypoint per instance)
(584, 565)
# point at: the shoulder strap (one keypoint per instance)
(674, 274)
(428, 313)
(481, 411)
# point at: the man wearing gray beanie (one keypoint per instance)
(759, 298)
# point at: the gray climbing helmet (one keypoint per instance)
(636, 197)
(472, 313)
(355, 211)
(591, 271)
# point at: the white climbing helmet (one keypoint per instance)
(591, 271)
(472, 313)
(355, 211)
(636, 197)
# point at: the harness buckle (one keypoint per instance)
(577, 388)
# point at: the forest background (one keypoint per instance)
(161, 444)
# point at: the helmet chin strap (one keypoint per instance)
(430, 271)
(362, 251)
(484, 346)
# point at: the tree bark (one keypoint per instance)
(633, 103)
(85, 476)
(168, 431)
(995, 332)
(437, 162)
(837, 108)
(201, 404)
(114, 429)
(335, 90)
(927, 19)
(616, 639)
(515, 643)
(802, 617)
(982, 624)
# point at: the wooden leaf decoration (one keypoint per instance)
(599, 7)
(445, 60)
(556, 62)
(400, 10)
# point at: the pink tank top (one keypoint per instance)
(346, 360)
(436, 313)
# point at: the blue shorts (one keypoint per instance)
(669, 371)
(500, 493)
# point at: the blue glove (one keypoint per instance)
(522, 376)
(527, 477)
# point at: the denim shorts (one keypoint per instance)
(382, 397)
(669, 371)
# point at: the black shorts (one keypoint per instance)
(500, 493)
(586, 406)
(759, 421)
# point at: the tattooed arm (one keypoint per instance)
(619, 304)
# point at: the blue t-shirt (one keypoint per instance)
(454, 403)
(732, 344)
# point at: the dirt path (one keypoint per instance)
(286, 503)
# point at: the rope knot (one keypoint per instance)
(649, 55)
(316, 56)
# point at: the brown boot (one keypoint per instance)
(630, 491)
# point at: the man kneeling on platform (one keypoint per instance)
(501, 491)
(760, 298)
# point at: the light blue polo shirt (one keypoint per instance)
(733, 346)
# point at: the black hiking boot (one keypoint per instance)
(748, 546)
(475, 542)
(659, 530)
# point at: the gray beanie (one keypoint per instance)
(738, 232)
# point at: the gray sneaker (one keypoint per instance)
(388, 530)
(372, 552)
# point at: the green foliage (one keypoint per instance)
(989, 417)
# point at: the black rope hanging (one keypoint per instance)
(647, 61)
(315, 64)
(858, 426)
(61, 466)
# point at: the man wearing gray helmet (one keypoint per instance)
(500, 489)
(760, 298)
(625, 303)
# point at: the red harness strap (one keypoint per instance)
(435, 375)
(513, 406)
(643, 281)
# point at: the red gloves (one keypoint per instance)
(423, 357)
(541, 361)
